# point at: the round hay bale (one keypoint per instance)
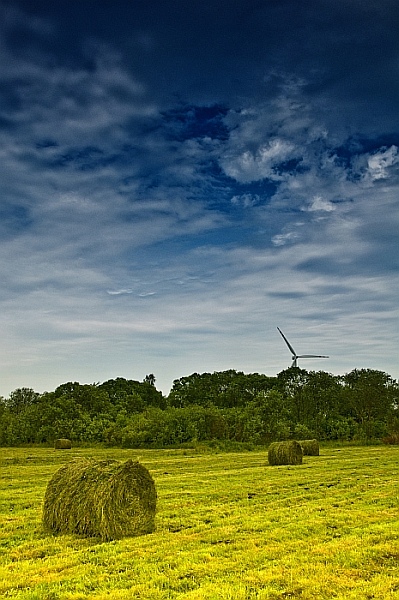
(62, 444)
(310, 447)
(285, 453)
(106, 499)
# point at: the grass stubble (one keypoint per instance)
(228, 526)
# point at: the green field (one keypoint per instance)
(227, 526)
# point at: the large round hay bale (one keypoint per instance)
(62, 444)
(310, 447)
(285, 453)
(106, 499)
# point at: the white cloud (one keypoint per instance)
(287, 237)
(379, 163)
(246, 200)
(262, 164)
(120, 292)
(72, 105)
(318, 203)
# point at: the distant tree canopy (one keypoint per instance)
(120, 390)
(225, 389)
(227, 405)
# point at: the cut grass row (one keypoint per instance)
(228, 526)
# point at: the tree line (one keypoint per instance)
(226, 406)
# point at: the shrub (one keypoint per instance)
(392, 439)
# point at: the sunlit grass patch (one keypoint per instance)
(227, 526)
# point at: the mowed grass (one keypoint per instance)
(228, 526)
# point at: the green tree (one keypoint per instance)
(371, 396)
(224, 389)
(21, 398)
(90, 398)
(150, 379)
(273, 414)
(322, 396)
(292, 383)
(60, 416)
(118, 389)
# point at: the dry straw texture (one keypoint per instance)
(285, 453)
(106, 499)
(310, 447)
(62, 444)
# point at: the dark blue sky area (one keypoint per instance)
(179, 178)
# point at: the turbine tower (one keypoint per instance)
(295, 356)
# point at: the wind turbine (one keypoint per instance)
(295, 356)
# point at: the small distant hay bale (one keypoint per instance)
(62, 444)
(285, 453)
(106, 499)
(310, 447)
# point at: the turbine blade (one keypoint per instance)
(311, 356)
(287, 342)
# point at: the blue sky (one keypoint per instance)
(177, 179)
